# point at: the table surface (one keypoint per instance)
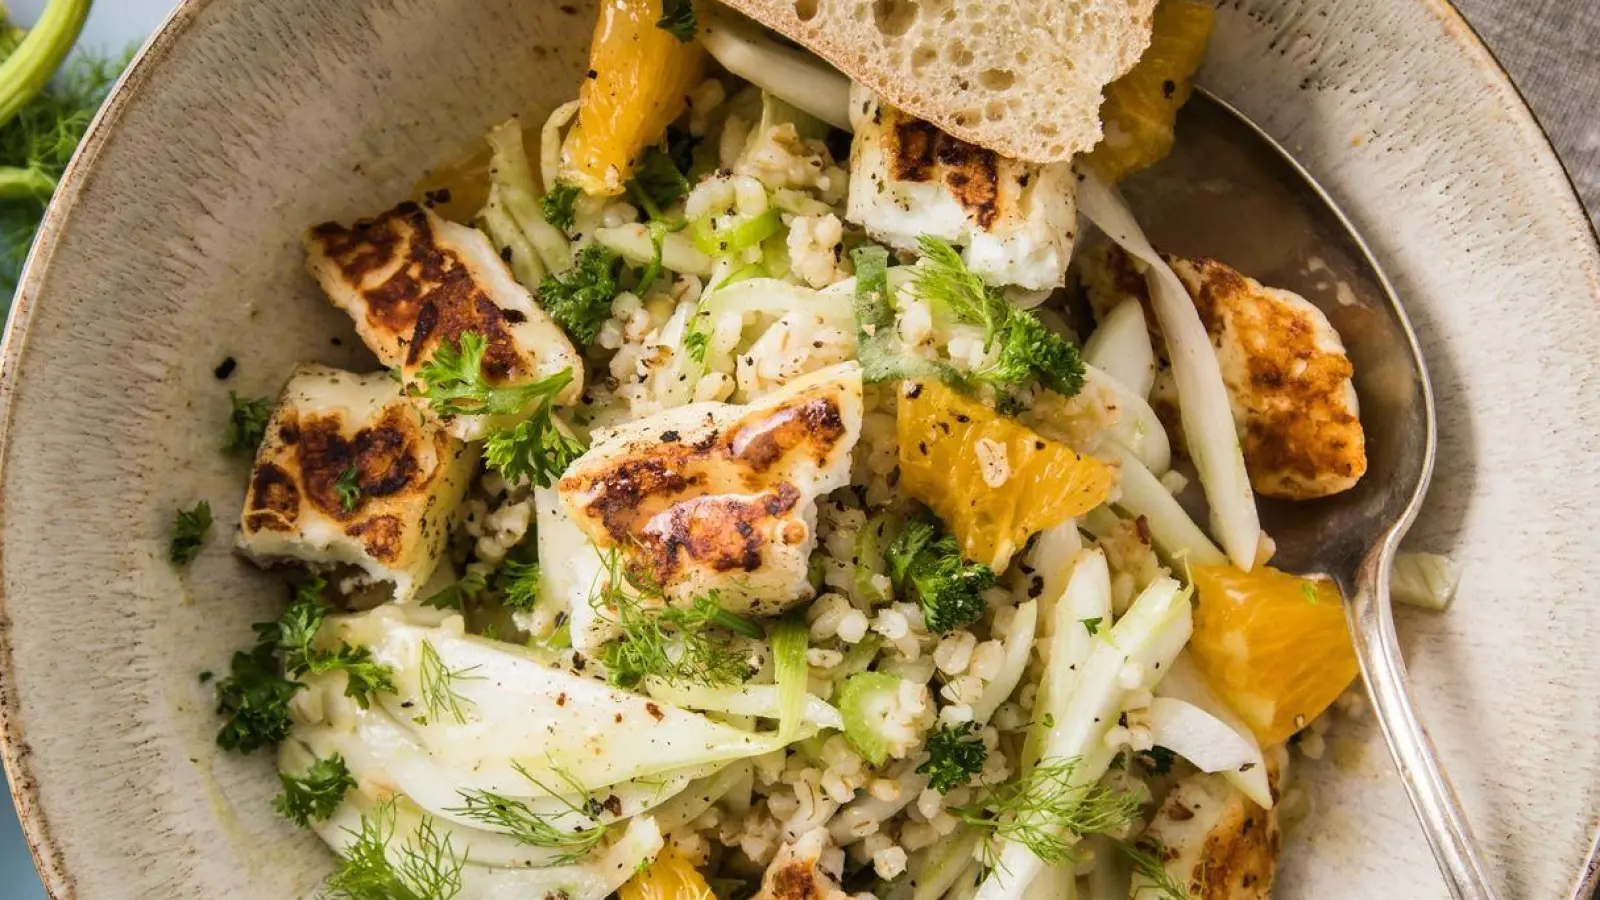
(1550, 47)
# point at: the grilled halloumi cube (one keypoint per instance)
(1289, 379)
(352, 472)
(413, 281)
(1213, 841)
(798, 871)
(1016, 220)
(721, 497)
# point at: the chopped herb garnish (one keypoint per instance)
(1027, 348)
(671, 643)
(1092, 625)
(457, 593)
(1046, 810)
(424, 868)
(925, 562)
(518, 584)
(255, 698)
(438, 681)
(1146, 858)
(579, 299)
(314, 796)
(535, 449)
(247, 423)
(677, 18)
(955, 754)
(558, 205)
(190, 528)
(1309, 591)
(348, 487)
(514, 819)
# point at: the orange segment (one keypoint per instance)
(991, 479)
(1275, 646)
(1142, 106)
(639, 79)
(669, 877)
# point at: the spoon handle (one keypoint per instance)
(1435, 801)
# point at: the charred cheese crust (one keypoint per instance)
(412, 282)
(411, 476)
(1215, 841)
(716, 493)
(1289, 379)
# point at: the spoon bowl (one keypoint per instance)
(1229, 191)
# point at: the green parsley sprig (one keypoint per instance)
(190, 529)
(955, 754)
(247, 423)
(559, 205)
(924, 561)
(314, 796)
(1027, 348)
(580, 298)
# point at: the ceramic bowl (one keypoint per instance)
(174, 245)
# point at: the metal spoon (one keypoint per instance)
(1229, 191)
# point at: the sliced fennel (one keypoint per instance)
(1171, 529)
(633, 241)
(550, 722)
(1137, 428)
(1146, 639)
(690, 803)
(1201, 738)
(798, 78)
(1185, 682)
(934, 870)
(512, 179)
(1202, 397)
(1427, 580)
(1087, 596)
(1052, 556)
(760, 701)
(788, 639)
(1120, 347)
(1018, 648)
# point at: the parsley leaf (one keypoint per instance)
(579, 299)
(677, 18)
(658, 182)
(1027, 348)
(882, 359)
(348, 487)
(470, 587)
(926, 562)
(518, 584)
(247, 423)
(536, 448)
(1091, 625)
(557, 205)
(294, 634)
(954, 756)
(190, 528)
(671, 643)
(255, 698)
(314, 796)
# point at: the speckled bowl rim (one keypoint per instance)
(14, 749)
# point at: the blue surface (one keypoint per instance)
(113, 26)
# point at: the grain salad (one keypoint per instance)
(761, 491)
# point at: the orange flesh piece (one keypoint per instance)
(949, 443)
(639, 80)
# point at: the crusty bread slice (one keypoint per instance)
(1021, 77)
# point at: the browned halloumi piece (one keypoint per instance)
(797, 873)
(721, 497)
(412, 281)
(1213, 841)
(407, 475)
(1016, 221)
(1288, 377)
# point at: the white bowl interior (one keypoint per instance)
(176, 245)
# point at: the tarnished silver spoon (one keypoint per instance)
(1230, 191)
